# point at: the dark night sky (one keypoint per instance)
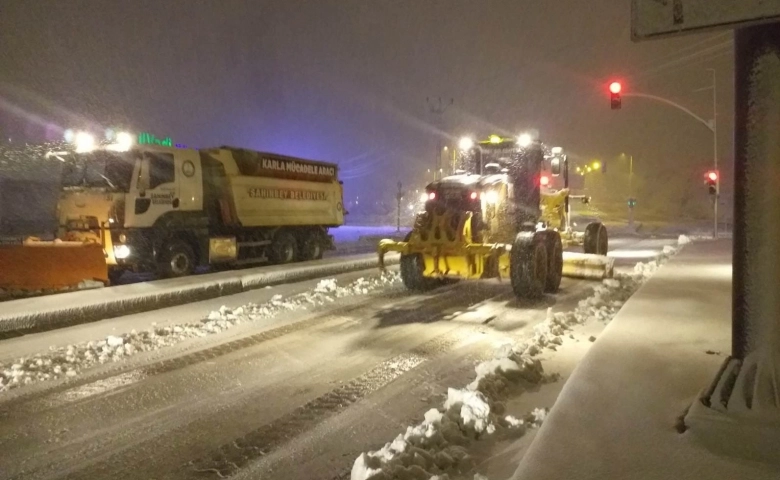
(346, 80)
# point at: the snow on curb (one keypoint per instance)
(437, 447)
(84, 306)
(68, 361)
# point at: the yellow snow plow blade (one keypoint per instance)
(443, 243)
(38, 265)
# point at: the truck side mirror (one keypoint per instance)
(586, 200)
(555, 166)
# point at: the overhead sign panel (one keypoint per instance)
(664, 18)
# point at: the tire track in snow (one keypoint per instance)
(231, 457)
(136, 456)
(122, 375)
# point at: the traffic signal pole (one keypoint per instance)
(711, 125)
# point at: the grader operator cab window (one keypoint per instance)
(555, 166)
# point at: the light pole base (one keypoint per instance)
(739, 414)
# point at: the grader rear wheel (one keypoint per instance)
(528, 266)
(554, 261)
(596, 240)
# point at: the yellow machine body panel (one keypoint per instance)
(262, 201)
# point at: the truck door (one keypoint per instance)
(189, 181)
(153, 191)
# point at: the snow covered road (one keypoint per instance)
(295, 393)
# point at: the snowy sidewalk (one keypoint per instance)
(615, 417)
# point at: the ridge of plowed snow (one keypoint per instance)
(438, 447)
(70, 360)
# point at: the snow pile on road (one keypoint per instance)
(68, 361)
(436, 447)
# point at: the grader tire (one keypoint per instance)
(596, 240)
(554, 246)
(528, 266)
(412, 268)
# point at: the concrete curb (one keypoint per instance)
(19, 317)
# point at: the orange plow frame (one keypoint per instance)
(37, 265)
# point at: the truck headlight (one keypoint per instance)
(121, 252)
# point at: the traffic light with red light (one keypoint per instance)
(712, 179)
(614, 95)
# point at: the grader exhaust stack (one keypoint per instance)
(495, 219)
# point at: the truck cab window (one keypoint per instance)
(161, 169)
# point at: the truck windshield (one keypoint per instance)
(99, 169)
(499, 155)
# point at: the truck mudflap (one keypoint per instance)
(37, 265)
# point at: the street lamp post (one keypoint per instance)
(630, 190)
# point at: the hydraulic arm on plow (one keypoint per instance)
(494, 219)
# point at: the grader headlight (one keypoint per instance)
(491, 197)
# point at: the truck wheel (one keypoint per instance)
(284, 248)
(554, 246)
(311, 247)
(596, 240)
(114, 275)
(176, 260)
(528, 266)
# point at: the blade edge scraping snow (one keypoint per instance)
(51, 265)
(588, 266)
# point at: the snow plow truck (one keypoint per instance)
(168, 210)
(498, 217)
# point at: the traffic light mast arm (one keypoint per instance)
(673, 104)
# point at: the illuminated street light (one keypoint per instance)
(525, 140)
(596, 165)
(84, 142)
(494, 139)
(466, 143)
(124, 142)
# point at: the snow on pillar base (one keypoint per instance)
(739, 415)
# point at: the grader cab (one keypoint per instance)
(494, 219)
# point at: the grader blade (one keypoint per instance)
(589, 266)
(51, 265)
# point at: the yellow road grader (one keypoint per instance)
(497, 216)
